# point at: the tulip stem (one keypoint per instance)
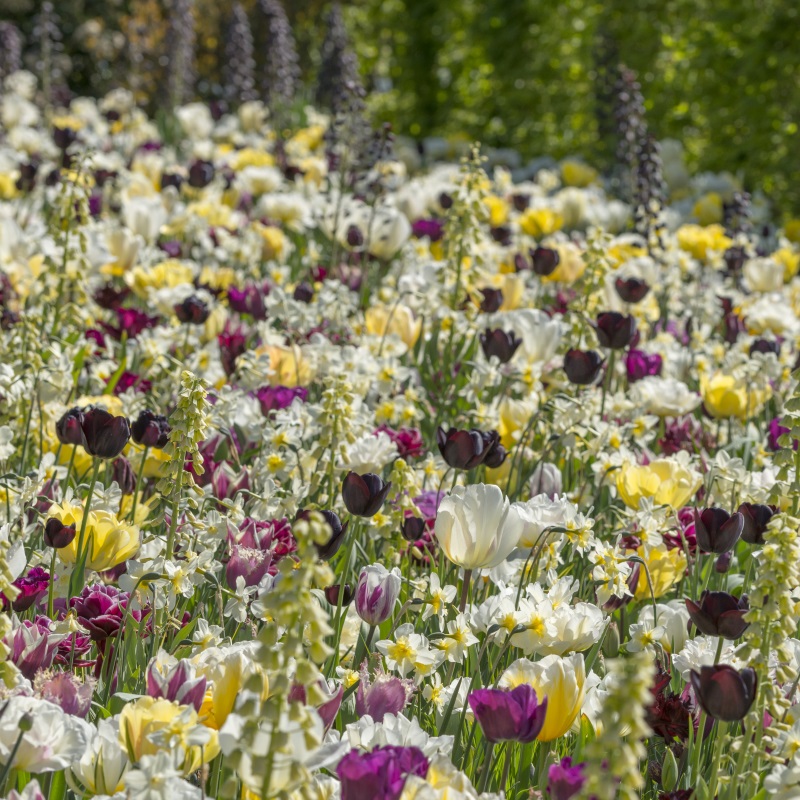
(507, 766)
(464, 590)
(607, 382)
(80, 562)
(487, 767)
(138, 484)
(722, 735)
(51, 587)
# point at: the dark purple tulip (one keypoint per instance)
(494, 452)
(303, 293)
(460, 449)
(502, 235)
(58, 535)
(151, 430)
(380, 774)
(385, 695)
(354, 236)
(31, 587)
(582, 366)
(492, 300)
(756, 516)
(249, 300)
(639, 364)
(232, 344)
(723, 692)
(521, 263)
(123, 474)
(521, 201)
(332, 594)
(508, 716)
(723, 562)
(101, 609)
(275, 398)
(717, 531)
(719, 614)
(174, 179)
(364, 495)
(545, 260)
(734, 258)
(765, 346)
(733, 326)
(413, 528)
(432, 228)
(331, 547)
(201, 173)
(500, 344)
(615, 330)
(631, 290)
(192, 310)
(409, 441)
(104, 435)
(565, 780)
(68, 428)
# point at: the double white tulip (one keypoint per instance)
(477, 527)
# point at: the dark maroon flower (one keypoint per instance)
(734, 258)
(172, 248)
(384, 695)
(249, 300)
(380, 774)
(31, 587)
(364, 495)
(332, 594)
(101, 610)
(686, 434)
(463, 449)
(639, 364)
(232, 344)
(565, 780)
(151, 429)
(123, 474)
(756, 516)
(257, 550)
(670, 715)
(130, 380)
(717, 531)
(303, 293)
(192, 310)
(432, 228)
(68, 428)
(102, 434)
(413, 528)
(582, 366)
(723, 692)
(733, 326)
(492, 300)
(615, 330)
(201, 173)
(520, 201)
(631, 290)
(501, 234)
(545, 260)
(408, 441)
(354, 236)
(508, 716)
(275, 398)
(130, 322)
(765, 346)
(110, 297)
(58, 535)
(719, 614)
(500, 344)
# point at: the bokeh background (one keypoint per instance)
(722, 76)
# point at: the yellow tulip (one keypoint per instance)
(146, 716)
(288, 365)
(515, 415)
(251, 157)
(498, 210)
(561, 680)
(666, 568)
(724, 397)
(107, 540)
(396, 320)
(701, 241)
(274, 244)
(667, 481)
(539, 222)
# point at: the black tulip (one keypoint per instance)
(201, 173)
(329, 549)
(332, 594)
(303, 293)
(719, 614)
(492, 300)
(192, 310)
(68, 428)
(756, 516)
(521, 201)
(413, 528)
(717, 531)
(545, 260)
(765, 346)
(171, 179)
(445, 201)
(461, 449)
(500, 344)
(354, 236)
(723, 692)
(615, 330)
(57, 534)
(582, 366)
(124, 476)
(494, 454)
(104, 435)
(521, 263)
(364, 495)
(151, 430)
(631, 290)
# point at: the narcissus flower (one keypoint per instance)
(509, 715)
(560, 680)
(477, 527)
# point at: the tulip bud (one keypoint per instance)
(723, 692)
(151, 430)
(545, 260)
(201, 173)
(376, 593)
(303, 293)
(717, 531)
(765, 346)
(192, 310)
(614, 330)
(364, 495)
(611, 641)
(68, 428)
(123, 474)
(582, 366)
(669, 771)
(332, 595)
(719, 614)
(756, 517)
(500, 344)
(413, 528)
(104, 435)
(354, 236)
(58, 535)
(631, 290)
(328, 549)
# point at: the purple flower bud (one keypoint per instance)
(58, 535)
(468, 449)
(68, 428)
(413, 528)
(31, 587)
(719, 614)
(376, 593)
(765, 346)
(104, 435)
(640, 364)
(151, 430)
(723, 692)
(101, 609)
(717, 531)
(631, 290)
(124, 476)
(303, 293)
(249, 300)
(385, 695)
(380, 774)
(354, 236)
(614, 330)
(332, 595)
(364, 495)
(564, 780)
(508, 716)
(201, 173)
(756, 517)
(582, 366)
(275, 398)
(329, 549)
(774, 433)
(177, 683)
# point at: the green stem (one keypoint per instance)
(465, 590)
(76, 579)
(138, 484)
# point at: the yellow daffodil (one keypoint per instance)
(576, 173)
